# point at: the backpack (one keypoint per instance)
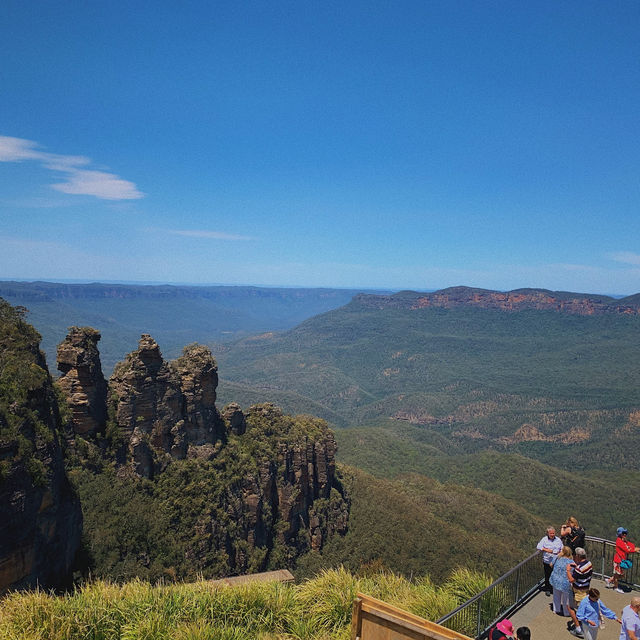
(575, 538)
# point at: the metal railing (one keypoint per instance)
(601, 552)
(475, 616)
(515, 588)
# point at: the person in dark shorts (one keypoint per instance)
(551, 546)
(579, 573)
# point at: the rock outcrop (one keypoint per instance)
(291, 500)
(165, 410)
(232, 413)
(516, 300)
(279, 487)
(273, 492)
(40, 516)
(82, 381)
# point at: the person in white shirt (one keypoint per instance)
(550, 546)
(631, 621)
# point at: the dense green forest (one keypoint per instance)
(366, 363)
(548, 493)
(458, 429)
(548, 385)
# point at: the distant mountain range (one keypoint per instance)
(516, 300)
(175, 315)
(552, 382)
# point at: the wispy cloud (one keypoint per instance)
(211, 235)
(79, 178)
(628, 257)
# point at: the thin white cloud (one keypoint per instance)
(78, 179)
(100, 184)
(627, 257)
(211, 235)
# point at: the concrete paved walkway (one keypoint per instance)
(546, 625)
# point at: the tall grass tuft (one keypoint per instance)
(328, 598)
(317, 609)
(465, 584)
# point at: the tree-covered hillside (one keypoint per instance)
(40, 517)
(542, 383)
(550, 491)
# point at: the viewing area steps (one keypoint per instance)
(516, 595)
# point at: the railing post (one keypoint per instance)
(517, 585)
(479, 618)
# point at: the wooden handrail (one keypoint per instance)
(377, 620)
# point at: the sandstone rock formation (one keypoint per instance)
(516, 300)
(40, 517)
(232, 413)
(271, 477)
(82, 381)
(165, 410)
(283, 491)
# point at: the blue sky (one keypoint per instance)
(354, 144)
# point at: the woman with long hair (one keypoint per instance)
(562, 591)
(572, 533)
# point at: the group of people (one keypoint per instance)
(567, 575)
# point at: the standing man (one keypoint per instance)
(550, 546)
(631, 620)
(579, 573)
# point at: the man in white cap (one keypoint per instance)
(631, 621)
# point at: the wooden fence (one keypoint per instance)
(377, 620)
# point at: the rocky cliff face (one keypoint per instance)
(40, 517)
(276, 486)
(516, 300)
(287, 502)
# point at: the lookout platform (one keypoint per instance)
(546, 625)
